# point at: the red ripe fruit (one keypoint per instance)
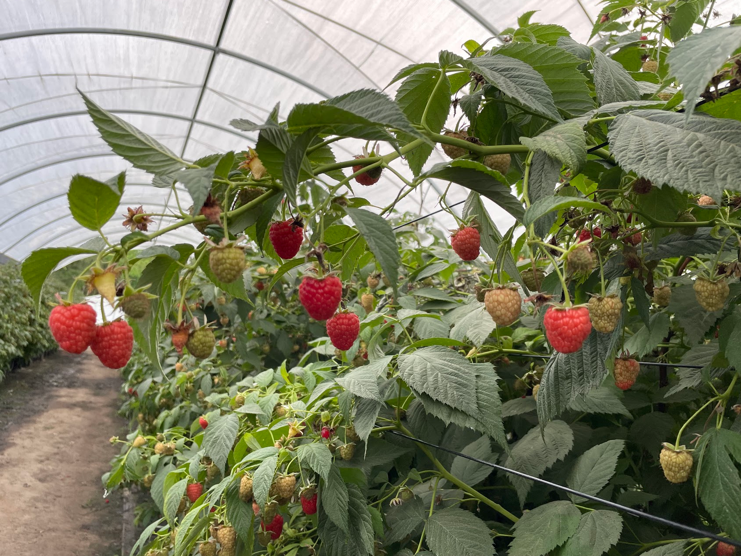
(309, 504)
(326, 433)
(626, 372)
(203, 422)
(259, 285)
(585, 234)
(320, 296)
(73, 326)
(287, 237)
(255, 508)
(367, 178)
(725, 549)
(567, 328)
(633, 239)
(466, 243)
(343, 330)
(113, 343)
(194, 491)
(275, 527)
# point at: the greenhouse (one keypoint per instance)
(392, 278)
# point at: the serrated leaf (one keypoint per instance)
(691, 316)
(545, 172)
(597, 532)
(173, 496)
(642, 303)
(198, 183)
(336, 542)
(518, 406)
(517, 80)
(317, 457)
(673, 549)
(263, 478)
(720, 485)
(361, 382)
(546, 527)
(456, 532)
(91, 202)
(468, 471)
(39, 264)
(565, 142)
(381, 241)
(295, 162)
(268, 208)
(697, 155)
(219, 439)
(599, 400)
(239, 513)
(471, 321)
(335, 498)
(403, 520)
(549, 204)
(612, 82)
(646, 339)
(650, 430)
(594, 468)
(366, 413)
(137, 147)
(144, 537)
(695, 59)
(677, 245)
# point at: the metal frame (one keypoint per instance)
(476, 16)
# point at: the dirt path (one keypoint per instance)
(56, 417)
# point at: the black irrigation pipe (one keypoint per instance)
(651, 363)
(608, 503)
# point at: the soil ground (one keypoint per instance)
(56, 417)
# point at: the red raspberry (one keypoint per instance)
(585, 234)
(194, 491)
(275, 527)
(367, 178)
(634, 238)
(287, 237)
(320, 296)
(113, 344)
(326, 433)
(567, 328)
(73, 326)
(308, 503)
(343, 330)
(466, 243)
(626, 372)
(725, 549)
(260, 285)
(203, 422)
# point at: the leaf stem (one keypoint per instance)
(681, 430)
(429, 515)
(440, 79)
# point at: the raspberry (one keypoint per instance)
(194, 491)
(366, 300)
(580, 261)
(533, 278)
(454, 151)
(287, 237)
(626, 372)
(535, 392)
(650, 66)
(227, 263)
(139, 441)
(320, 296)
(367, 178)
(605, 312)
(343, 330)
(567, 328)
(284, 487)
(642, 186)
(227, 537)
(711, 295)
(135, 306)
(201, 343)
(245, 488)
(270, 511)
(351, 434)
(113, 344)
(275, 528)
(326, 433)
(725, 549)
(347, 451)
(207, 549)
(631, 258)
(706, 201)
(634, 238)
(586, 234)
(73, 326)
(203, 422)
(372, 281)
(676, 463)
(308, 501)
(504, 304)
(466, 243)
(180, 335)
(249, 194)
(159, 448)
(662, 296)
(498, 162)
(686, 217)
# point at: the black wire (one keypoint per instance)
(568, 490)
(427, 215)
(651, 363)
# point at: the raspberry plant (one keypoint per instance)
(604, 155)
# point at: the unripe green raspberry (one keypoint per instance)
(605, 313)
(676, 463)
(227, 263)
(201, 343)
(662, 296)
(711, 295)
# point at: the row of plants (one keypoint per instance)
(297, 371)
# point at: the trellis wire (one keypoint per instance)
(608, 503)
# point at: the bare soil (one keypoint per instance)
(56, 417)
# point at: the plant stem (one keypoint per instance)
(681, 430)
(440, 80)
(429, 515)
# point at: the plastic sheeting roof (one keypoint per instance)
(182, 69)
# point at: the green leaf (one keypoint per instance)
(366, 413)
(691, 316)
(518, 406)
(678, 245)
(273, 143)
(597, 532)
(142, 540)
(381, 240)
(198, 183)
(518, 80)
(335, 498)
(39, 264)
(549, 204)
(673, 549)
(317, 457)
(697, 155)
(594, 468)
(362, 383)
(727, 106)
(173, 496)
(239, 513)
(413, 95)
(126, 141)
(468, 471)
(268, 208)
(91, 202)
(456, 532)
(295, 162)
(684, 17)
(471, 321)
(642, 303)
(611, 80)
(720, 485)
(219, 439)
(599, 400)
(404, 520)
(565, 142)
(695, 59)
(357, 539)
(543, 529)
(263, 478)
(477, 177)
(545, 172)
(535, 452)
